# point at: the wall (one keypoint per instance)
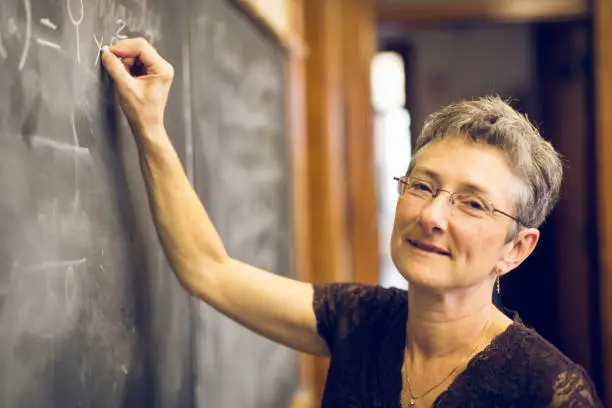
(453, 63)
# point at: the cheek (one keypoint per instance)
(478, 242)
(404, 213)
(404, 218)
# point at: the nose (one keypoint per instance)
(435, 214)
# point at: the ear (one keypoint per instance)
(517, 250)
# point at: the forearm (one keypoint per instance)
(187, 234)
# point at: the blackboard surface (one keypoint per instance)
(90, 313)
(242, 176)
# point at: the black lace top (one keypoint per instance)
(365, 330)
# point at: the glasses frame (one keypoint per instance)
(404, 180)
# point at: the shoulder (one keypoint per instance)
(341, 308)
(530, 346)
(356, 299)
(357, 295)
(552, 378)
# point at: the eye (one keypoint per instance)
(421, 186)
(473, 203)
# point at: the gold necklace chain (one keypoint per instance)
(414, 398)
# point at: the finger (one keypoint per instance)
(139, 48)
(128, 63)
(115, 68)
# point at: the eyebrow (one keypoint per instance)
(464, 187)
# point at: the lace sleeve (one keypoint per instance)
(573, 388)
(341, 307)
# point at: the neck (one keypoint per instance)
(443, 324)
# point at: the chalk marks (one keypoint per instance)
(47, 23)
(45, 266)
(41, 141)
(46, 43)
(2, 49)
(50, 309)
(14, 33)
(99, 44)
(118, 36)
(49, 44)
(71, 289)
(28, 35)
(75, 141)
(45, 289)
(77, 23)
(139, 19)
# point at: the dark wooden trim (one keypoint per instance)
(482, 10)
(329, 250)
(603, 94)
(296, 101)
(291, 40)
(298, 133)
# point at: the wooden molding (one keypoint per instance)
(342, 207)
(298, 134)
(415, 12)
(286, 33)
(329, 249)
(603, 94)
(359, 47)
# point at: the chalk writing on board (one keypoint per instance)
(118, 34)
(99, 44)
(145, 21)
(26, 46)
(49, 44)
(48, 23)
(2, 49)
(38, 141)
(77, 22)
(17, 36)
(46, 43)
(43, 292)
(51, 309)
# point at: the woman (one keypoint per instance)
(480, 183)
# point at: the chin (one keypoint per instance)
(422, 274)
(418, 274)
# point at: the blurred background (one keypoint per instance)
(366, 73)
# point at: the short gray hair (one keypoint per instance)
(533, 160)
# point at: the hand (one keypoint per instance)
(142, 79)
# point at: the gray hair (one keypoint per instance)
(492, 121)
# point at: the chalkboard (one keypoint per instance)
(242, 175)
(90, 313)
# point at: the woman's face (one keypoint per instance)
(437, 246)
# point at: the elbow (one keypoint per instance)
(199, 278)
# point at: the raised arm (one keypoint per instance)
(276, 307)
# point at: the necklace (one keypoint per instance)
(414, 398)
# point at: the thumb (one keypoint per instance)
(115, 68)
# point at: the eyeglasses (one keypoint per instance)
(468, 204)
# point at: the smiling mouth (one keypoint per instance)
(428, 248)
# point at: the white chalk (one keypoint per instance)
(104, 48)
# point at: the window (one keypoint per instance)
(392, 150)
